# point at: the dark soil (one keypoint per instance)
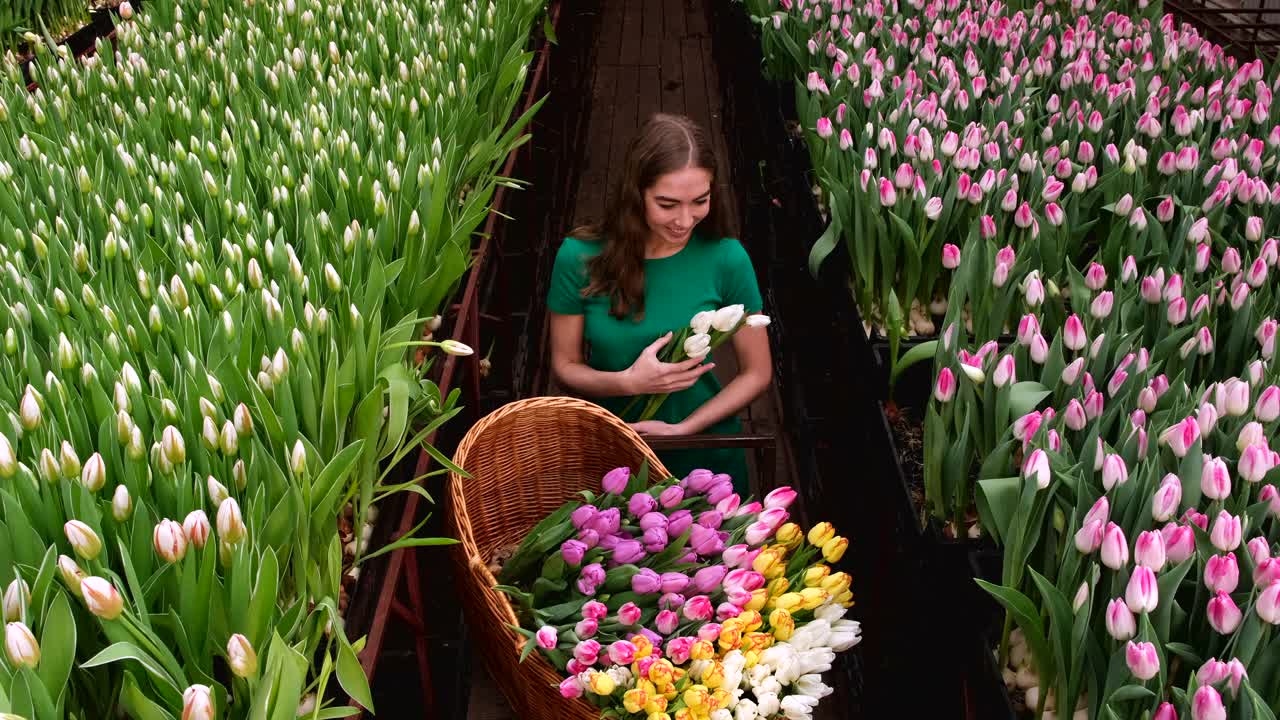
(908, 438)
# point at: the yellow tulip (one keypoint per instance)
(661, 673)
(782, 623)
(759, 597)
(684, 714)
(658, 716)
(751, 620)
(697, 698)
(602, 684)
(778, 586)
(813, 598)
(815, 575)
(789, 601)
(770, 563)
(834, 549)
(819, 534)
(837, 583)
(644, 648)
(750, 659)
(702, 650)
(790, 536)
(649, 688)
(635, 700)
(657, 704)
(730, 637)
(720, 699)
(845, 599)
(713, 675)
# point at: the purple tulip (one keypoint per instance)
(653, 520)
(679, 523)
(606, 522)
(719, 491)
(646, 582)
(689, 558)
(726, 610)
(734, 556)
(707, 580)
(667, 622)
(744, 579)
(586, 628)
(655, 540)
(671, 601)
(609, 542)
(590, 577)
(590, 538)
(572, 552)
(615, 481)
(583, 515)
(674, 582)
(711, 519)
(752, 508)
(705, 542)
(628, 551)
(641, 504)
(780, 498)
(728, 506)
(698, 481)
(671, 497)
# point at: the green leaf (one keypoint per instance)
(923, 351)
(137, 703)
(1025, 396)
(351, 677)
(1131, 692)
(58, 646)
(123, 651)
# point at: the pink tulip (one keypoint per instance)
(622, 652)
(1071, 373)
(904, 177)
(1073, 335)
(1166, 711)
(1129, 270)
(571, 688)
(1102, 305)
(629, 614)
(1074, 415)
(945, 388)
(1267, 408)
(1142, 659)
(1259, 549)
(1148, 550)
(1150, 290)
(1005, 372)
(1164, 505)
(1115, 548)
(950, 256)
(1268, 603)
(667, 622)
(1120, 621)
(1164, 211)
(987, 228)
(587, 652)
(1266, 337)
(1025, 427)
(1028, 328)
(1095, 278)
(1179, 542)
(1039, 349)
(1222, 572)
(780, 498)
(1251, 434)
(1215, 481)
(1224, 614)
(1114, 473)
(1176, 312)
(824, 128)
(547, 637)
(888, 195)
(1200, 520)
(1253, 228)
(1037, 466)
(1204, 341)
(1207, 705)
(1206, 418)
(1116, 384)
(1181, 437)
(1236, 669)
(1226, 531)
(698, 608)
(1255, 463)
(1142, 594)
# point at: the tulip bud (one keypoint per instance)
(8, 461)
(1268, 603)
(1142, 660)
(83, 539)
(1148, 550)
(1222, 573)
(1226, 532)
(453, 347)
(173, 446)
(241, 656)
(1120, 621)
(29, 410)
(945, 388)
(243, 420)
(231, 528)
(101, 597)
(21, 646)
(197, 703)
(121, 504)
(196, 528)
(16, 599)
(1224, 615)
(298, 459)
(94, 474)
(1115, 549)
(169, 541)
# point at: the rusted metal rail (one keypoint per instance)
(402, 570)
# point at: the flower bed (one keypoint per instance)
(228, 324)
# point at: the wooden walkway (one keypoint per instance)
(648, 56)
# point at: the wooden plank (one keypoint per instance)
(649, 94)
(673, 26)
(609, 42)
(695, 17)
(696, 103)
(632, 31)
(595, 165)
(671, 74)
(652, 33)
(625, 107)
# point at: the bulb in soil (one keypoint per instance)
(1032, 697)
(1026, 678)
(1010, 679)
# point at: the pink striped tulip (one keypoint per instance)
(1148, 550)
(1222, 573)
(1005, 372)
(1114, 472)
(950, 256)
(1129, 270)
(1259, 550)
(1206, 704)
(1204, 341)
(1256, 275)
(1116, 384)
(1095, 278)
(1093, 405)
(1224, 614)
(1142, 594)
(1267, 408)
(1164, 505)
(1071, 373)
(1226, 531)
(1181, 437)
(1074, 416)
(1033, 289)
(1255, 463)
(1025, 427)
(1147, 399)
(1231, 261)
(1142, 659)
(1207, 418)
(1164, 211)
(1268, 603)
(1028, 328)
(1120, 621)
(824, 128)
(1150, 290)
(1179, 542)
(1037, 466)
(1251, 434)
(933, 210)
(945, 388)
(846, 139)
(1166, 711)
(1253, 228)
(1054, 214)
(1176, 313)
(1039, 349)
(987, 228)
(1101, 306)
(1115, 548)
(1073, 335)
(888, 195)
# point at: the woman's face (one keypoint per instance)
(677, 202)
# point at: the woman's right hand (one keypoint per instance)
(650, 376)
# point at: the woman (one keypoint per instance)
(664, 253)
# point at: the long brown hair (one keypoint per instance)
(664, 144)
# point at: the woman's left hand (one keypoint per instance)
(657, 427)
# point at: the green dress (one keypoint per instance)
(707, 274)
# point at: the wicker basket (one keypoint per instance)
(527, 459)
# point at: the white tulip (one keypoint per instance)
(697, 346)
(701, 323)
(758, 321)
(727, 318)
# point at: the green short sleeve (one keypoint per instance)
(568, 278)
(737, 279)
